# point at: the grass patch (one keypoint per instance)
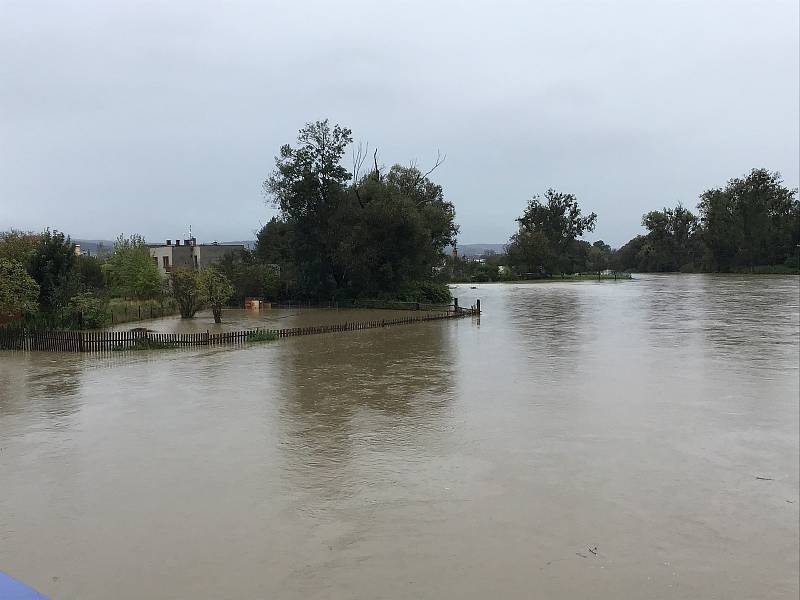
(262, 335)
(144, 344)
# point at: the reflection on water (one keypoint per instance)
(437, 460)
(366, 397)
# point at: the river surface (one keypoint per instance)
(597, 440)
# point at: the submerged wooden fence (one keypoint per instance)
(16, 338)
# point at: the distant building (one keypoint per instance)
(77, 249)
(188, 253)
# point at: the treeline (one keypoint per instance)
(750, 225)
(45, 283)
(364, 231)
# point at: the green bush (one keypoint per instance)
(426, 291)
(262, 335)
(145, 344)
(87, 311)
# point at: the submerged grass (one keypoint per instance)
(262, 335)
(145, 344)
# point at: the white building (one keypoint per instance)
(188, 253)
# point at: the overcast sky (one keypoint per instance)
(150, 116)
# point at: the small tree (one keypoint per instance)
(131, 270)
(185, 288)
(18, 290)
(216, 289)
(85, 310)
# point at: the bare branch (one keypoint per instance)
(440, 158)
(359, 156)
(375, 160)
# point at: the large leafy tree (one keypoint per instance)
(347, 235)
(131, 271)
(671, 242)
(52, 266)
(19, 293)
(395, 228)
(548, 229)
(308, 185)
(754, 220)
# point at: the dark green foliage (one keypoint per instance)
(52, 266)
(90, 274)
(671, 243)
(428, 292)
(598, 257)
(754, 220)
(308, 185)
(546, 240)
(752, 224)
(252, 278)
(338, 238)
(274, 242)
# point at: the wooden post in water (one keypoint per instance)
(455, 305)
(478, 305)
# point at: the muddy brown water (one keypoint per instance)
(586, 439)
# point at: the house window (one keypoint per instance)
(165, 262)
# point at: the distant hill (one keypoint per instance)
(479, 249)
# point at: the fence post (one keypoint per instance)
(455, 304)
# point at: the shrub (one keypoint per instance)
(262, 335)
(427, 292)
(145, 344)
(85, 310)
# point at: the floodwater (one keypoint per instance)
(599, 440)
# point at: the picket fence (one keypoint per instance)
(18, 338)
